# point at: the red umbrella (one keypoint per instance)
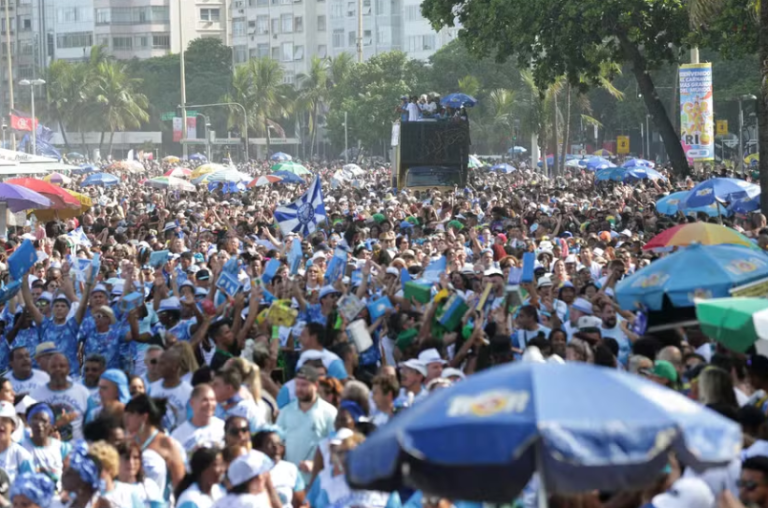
(58, 196)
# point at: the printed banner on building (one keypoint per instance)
(176, 129)
(697, 129)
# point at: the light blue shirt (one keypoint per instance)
(305, 429)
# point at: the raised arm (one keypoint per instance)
(29, 303)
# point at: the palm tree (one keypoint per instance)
(339, 68)
(272, 95)
(536, 106)
(494, 119)
(313, 92)
(117, 100)
(242, 93)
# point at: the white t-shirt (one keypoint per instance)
(413, 112)
(70, 400)
(15, 460)
(193, 498)
(244, 501)
(190, 437)
(26, 386)
(177, 397)
(48, 459)
(286, 479)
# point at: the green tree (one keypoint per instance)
(575, 38)
(66, 95)
(117, 100)
(312, 93)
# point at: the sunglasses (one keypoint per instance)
(236, 431)
(749, 486)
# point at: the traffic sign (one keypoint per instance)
(622, 144)
(722, 127)
(165, 117)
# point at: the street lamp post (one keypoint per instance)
(32, 84)
(648, 135)
(207, 135)
(741, 128)
(245, 119)
(346, 140)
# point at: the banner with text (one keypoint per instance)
(177, 129)
(697, 129)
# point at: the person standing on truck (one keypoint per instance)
(403, 108)
(414, 113)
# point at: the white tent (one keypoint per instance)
(27, 164)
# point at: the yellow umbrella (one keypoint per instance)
(205, 169)
(753, 157)
(46, 215)
(171, 159)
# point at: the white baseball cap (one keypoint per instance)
(249, 466)
(8, 411)
(686, 493)
(452, 372)
(414, 364)
(431, 356)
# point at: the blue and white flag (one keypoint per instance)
(79, 237)
(303, 215)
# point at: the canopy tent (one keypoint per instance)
(27, 164)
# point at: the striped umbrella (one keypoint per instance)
(704, 233)
(263, 181)
(170, 182)
(178, 172)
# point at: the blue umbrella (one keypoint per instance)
(605, 174)
(550, 161)
(75, 155)
(516, 149)
(503, 168)
(198, 157)
(513, 420)
(638, 163)
(104, 179)
(697, 271)
(289, 177)
(670, 205)
(457, 100)
(280, 156)
(638, 173)
(745, 205)
(720, 189)
(597, 163)
(85, 169)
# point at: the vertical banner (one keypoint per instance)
(622, 145)
(191, 127)
(176, 129)
(697, 129)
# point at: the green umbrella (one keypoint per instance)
(736, 323)
(292, 167)
(379, 218)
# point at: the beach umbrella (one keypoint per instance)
(603, 153)
(59, 197)
(17, 198)
(85, 169)
(524, 417)
(516, 150)
(697, 271)
(573, 163)
(736, 323)
(178, 172)
(638, 173)
(100, 179)
(207, 168)
(457, 100)
(289, 177)
(263, 181)
(719, 189)
(58, 178)
(198, 157)
(597, 163)
(281, 157)
(503, 168)
(84, 202)
(291, 167)
(354, 169)
(752, 158)
(745, 205)
(226, 176)
(75, 155)
(637, 163)
(170, 182)
(704, 233)
(474, 162)
(171, 159)
(670, 205)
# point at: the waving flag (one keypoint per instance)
(79, 237)
(303, 215)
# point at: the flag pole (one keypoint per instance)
(9, 57)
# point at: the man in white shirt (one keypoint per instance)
(414, 113)
(68, 400)
(23, 377)
(203, 428)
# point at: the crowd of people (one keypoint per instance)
(135, 377)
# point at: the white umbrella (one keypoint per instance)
(354, 169)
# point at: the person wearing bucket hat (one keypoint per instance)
(113, 395)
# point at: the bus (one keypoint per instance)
(430, 154)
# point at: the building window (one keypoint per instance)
(241, 54)
(276, 53)
(412, 13)
(121, 16)
(382, 36)
(322, 50)
(298, 53)
(286, 55)
(298, 24)
(286, 23)
(161, 41)
(25, 72)
(352, 39)
(75, 40)
(238, 27)
(381, 7)
(367, 38)
(336, 10)
(275, 25)
(338, 38)
(122, 43)
(428, 42)
(262, 3)
(262, 50)
(141, 42)
(102, 16)
(321, 23)
(366, 7)
(351, 9)
(421, 43)
(66, 15)
(210, 14)
(262, 25)
(288, 77)
(161, 14)
(25, 23)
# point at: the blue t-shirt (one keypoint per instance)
(65, 338)
(106, 344)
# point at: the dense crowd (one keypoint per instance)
(134, 377)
